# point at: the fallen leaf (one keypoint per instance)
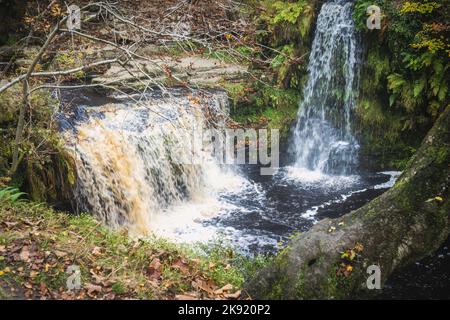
(155, 264)
(205, 286)
(97, 251)
(187, 296)
(92, 288)
(154, 268)
(43, 288)
(60, 254)
(9, 224)
(27, 285)
(109, 296)
(235, 295)
(227, 287)
(97, 278)
(33, 274)
(359, 247)
(25, 254)
(182, 266)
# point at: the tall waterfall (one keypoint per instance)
(323, 139)
(132, 158)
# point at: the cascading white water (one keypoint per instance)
(323, 140)
(133, 159)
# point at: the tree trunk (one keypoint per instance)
(399, 227)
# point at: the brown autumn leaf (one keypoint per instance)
(34, 274)
(154, 269)
(10, 224)
(14, 248)
(186, 296)
(28, 222)
(67, 296)
(235, 295)
(36, 266)
(182, 266)
(60, 254)
(28, 294)
(92, 288)
(206, 286)
(28, 285)
(43, 289)
(227, 287)
(359, 247)
(97, 251)
(25, 254)
(98, 278)
(155, 264)
(109, 296)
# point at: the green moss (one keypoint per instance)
(46, 171)
(441, 155)
(275, 108)
(403, 87)
(69, 60)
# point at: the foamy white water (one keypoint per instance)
(134, 168)
(184, 222)
(311, 213)
(393, 178)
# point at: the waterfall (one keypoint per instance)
(132, 158)
(323, 139)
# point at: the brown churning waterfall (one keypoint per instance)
(131, 158)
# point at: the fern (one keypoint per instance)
(395, 82)
(419, 85)
(288, 12)
(11, 195)
(360, 12)
(442, 94)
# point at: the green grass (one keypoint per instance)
(57, 240)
